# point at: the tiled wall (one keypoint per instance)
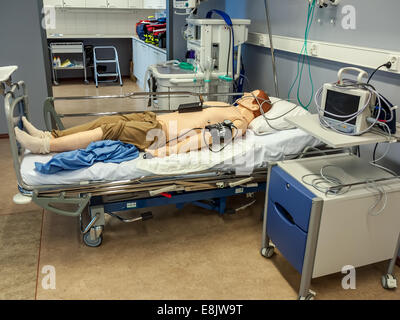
(98, 21)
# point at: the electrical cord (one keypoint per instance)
(182, 135)
(303, 56)
(388, 65)
(329, 181)
(373, 186)
(331, 185)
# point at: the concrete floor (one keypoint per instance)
(180, 254)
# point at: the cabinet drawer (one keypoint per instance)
(286, 236)
(292, 196)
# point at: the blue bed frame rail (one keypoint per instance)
(219, 197)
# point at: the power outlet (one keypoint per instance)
(395, 62)
(314, 50)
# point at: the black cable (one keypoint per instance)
(374, 154)
(183, 134)
(216, 151)
(229, 52)
(387, 65)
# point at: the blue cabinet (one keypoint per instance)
(319, 233)
(289, 208)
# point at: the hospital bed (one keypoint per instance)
(202, 178)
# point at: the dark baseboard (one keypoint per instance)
(4, 136)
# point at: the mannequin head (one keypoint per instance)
(249, 104)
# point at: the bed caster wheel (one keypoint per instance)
(86, 81)
(92, 243)
(389, 282)
(268, 252)
(310, 296)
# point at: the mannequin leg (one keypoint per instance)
(75, 141)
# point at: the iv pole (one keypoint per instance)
(272, 48)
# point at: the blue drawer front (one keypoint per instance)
(286, 236)
(292, 195)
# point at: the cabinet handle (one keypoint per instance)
(284, 213)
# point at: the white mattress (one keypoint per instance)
(244, 155)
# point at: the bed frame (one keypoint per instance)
(208, 190)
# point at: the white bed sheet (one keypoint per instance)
(244, 155)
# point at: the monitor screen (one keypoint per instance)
(341, 104)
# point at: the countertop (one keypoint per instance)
(102, 36)
(89, 36)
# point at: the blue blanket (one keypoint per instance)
(106, 151)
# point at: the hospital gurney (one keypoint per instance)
(208, 189)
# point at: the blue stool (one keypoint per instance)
(113, 60)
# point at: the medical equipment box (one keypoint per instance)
(318, 233)
(171, 78)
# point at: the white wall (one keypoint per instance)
(76, 21)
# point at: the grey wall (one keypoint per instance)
(377, 26)
(22, 44)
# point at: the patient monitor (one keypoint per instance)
(347, 108)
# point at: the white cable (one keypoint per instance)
(261, 104)
(371, 184)
(329, 180)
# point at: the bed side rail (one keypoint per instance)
(51, 118)
(16, 106)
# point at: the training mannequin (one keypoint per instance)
(159, 135)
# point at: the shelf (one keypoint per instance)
(6, 72)
(310, 124)
(69, 68)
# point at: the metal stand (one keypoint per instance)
(68, 48)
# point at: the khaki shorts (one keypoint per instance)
(130, 128)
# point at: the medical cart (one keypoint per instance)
(320, 233)
(72, 49)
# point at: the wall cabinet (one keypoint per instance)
(118, 4)
(154, 4)
(96, 3)
(136, 4)
(112, 4)
(53, 3)
(74, 4)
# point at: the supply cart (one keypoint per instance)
(70, 50)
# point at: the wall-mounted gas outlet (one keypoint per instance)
(395, 62)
